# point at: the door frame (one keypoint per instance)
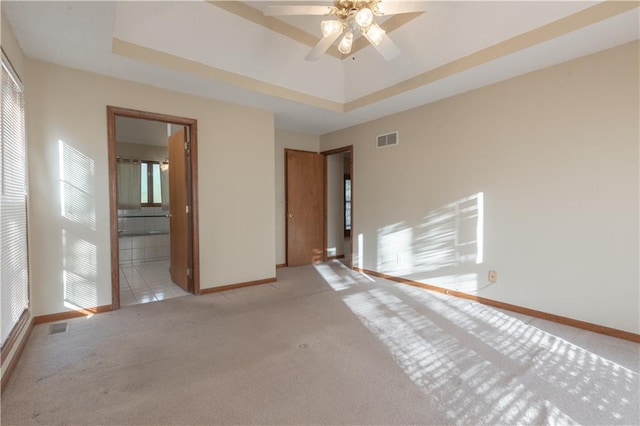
(348, 148)
(192, 124)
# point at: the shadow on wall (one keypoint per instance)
(483, 366)
(443, 249)
(78, 212)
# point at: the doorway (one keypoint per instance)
(339, 204)
(153, 206)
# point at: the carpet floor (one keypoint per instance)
(322, 345)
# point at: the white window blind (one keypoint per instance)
(14, 277)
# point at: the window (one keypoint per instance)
(150, 186)
(347, 205)
(14, 270)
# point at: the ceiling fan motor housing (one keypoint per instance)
(344, 9)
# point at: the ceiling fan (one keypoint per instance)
(352, 16)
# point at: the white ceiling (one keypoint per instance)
(144, 132)
(222, 52)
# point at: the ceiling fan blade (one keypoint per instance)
(297, 10)
(387, 48)
(322, 46)
(397, 7)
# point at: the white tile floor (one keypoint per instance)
(147, 282)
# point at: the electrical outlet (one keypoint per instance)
(493, 276)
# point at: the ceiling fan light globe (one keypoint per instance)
(374, 34)
(331, 27)
(378, 8)
(345, 44)
(364, 17)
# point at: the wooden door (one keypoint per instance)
(305, 207)
(178, 209)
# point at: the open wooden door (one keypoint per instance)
(305, 207)
(179, 209)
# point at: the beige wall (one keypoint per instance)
(66, 115)
(291, 140)
(335, 204)
(12, 48)
(554, 154)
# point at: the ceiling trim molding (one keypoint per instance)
(576, 21)
(176, 63)
(254, 15)
(594, 14)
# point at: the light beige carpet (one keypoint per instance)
(323, 345)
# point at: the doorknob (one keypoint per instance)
(290, 215)
(169, 215)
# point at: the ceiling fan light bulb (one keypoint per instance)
(374, 34)
(330, 27)
(345, 44)
(364, 17)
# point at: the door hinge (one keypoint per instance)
(189, 272)
(186, 209)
